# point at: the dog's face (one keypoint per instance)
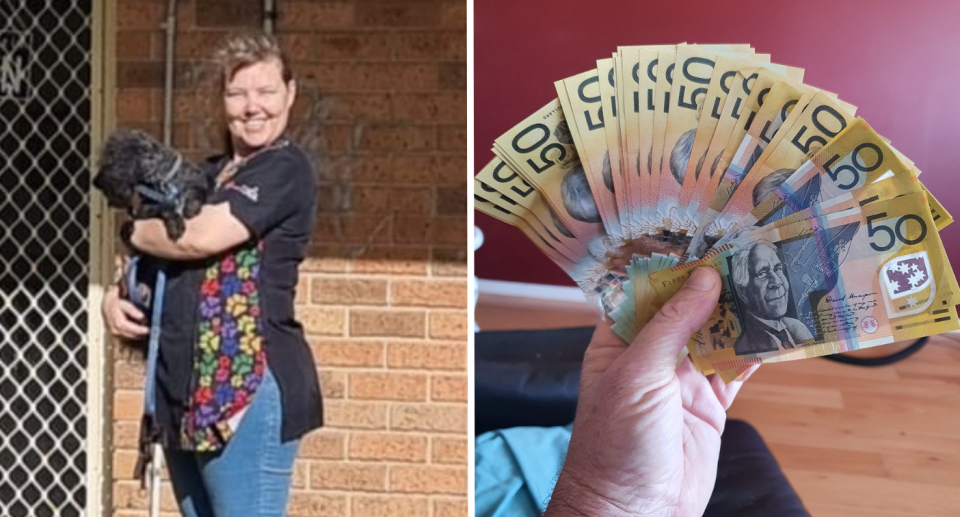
(124, 164)
(132, 158)
(119, 190)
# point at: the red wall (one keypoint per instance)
(897, 61)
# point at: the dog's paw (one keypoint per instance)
(175, 227)
(192, 206)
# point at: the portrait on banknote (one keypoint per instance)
(577, 196)
(680, 155)
(805, 196)
(778, 288)
(607, 172)
(769, 184)
(753, 161)
(559, 224)
(762, 293)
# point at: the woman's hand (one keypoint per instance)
(646, 438)
(123, 319)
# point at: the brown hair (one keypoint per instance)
(243, 49)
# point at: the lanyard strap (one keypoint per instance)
(230, 170)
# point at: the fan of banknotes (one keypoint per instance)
(665, 158)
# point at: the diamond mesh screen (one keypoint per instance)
(45, 108)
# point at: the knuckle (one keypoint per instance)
(674, 312)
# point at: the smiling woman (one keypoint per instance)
(238, 387)
(258, 92)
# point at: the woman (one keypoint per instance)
(236, 382)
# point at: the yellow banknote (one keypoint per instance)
(941, 217)
(743, 97)
(725, 71)
(666, 64)
(498, 177)
(779, 102)
(647, 71)
(580, 98)
(863, 277)
(588, 274)
(492, 203)
(803, 134)
(817, 122)
(606, 71)
(857, 156)
(542, 150)
(882, 190)
(694, 69)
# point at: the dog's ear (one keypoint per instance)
(102, 183)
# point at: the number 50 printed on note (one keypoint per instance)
(855, 279)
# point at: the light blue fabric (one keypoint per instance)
(250, 477)
(517, 468)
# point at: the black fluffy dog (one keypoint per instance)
(149, 180)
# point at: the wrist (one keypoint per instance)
(110, 296)
(572, 498)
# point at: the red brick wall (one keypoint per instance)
(383, 296)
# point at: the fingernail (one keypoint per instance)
(701, 279)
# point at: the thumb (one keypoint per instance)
(653, 354)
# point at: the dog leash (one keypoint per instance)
(150, 450)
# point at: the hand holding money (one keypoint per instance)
(660, 425)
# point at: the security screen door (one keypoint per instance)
(46, 138)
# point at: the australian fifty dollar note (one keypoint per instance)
(864, 277)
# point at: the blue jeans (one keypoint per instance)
(250, 476)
